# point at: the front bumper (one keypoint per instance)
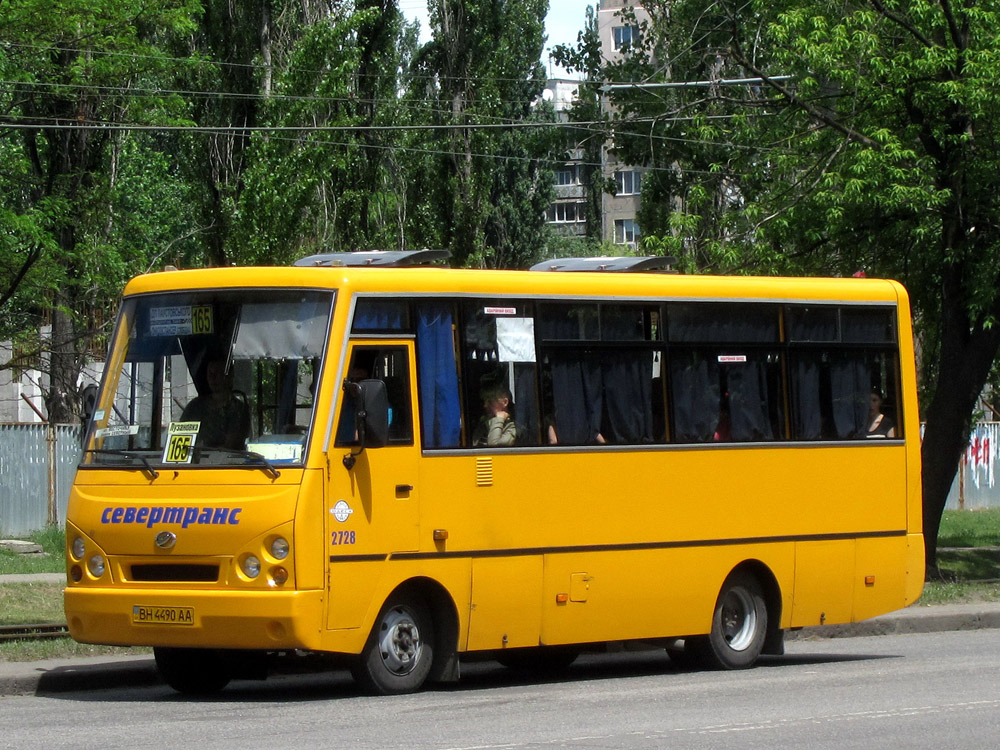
(272, 620)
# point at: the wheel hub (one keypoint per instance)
(739, 619)
(399, 642)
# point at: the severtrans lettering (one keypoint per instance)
(151, 515)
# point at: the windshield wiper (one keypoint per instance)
(267, 465)
(153, 473)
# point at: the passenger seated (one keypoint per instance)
(223, 414)
(879, 425)
(496, 427)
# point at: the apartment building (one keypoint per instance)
(618, 222)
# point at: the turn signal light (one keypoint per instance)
(279, 575)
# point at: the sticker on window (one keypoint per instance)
(120, 430)
(516, 339)
(181, 437)
(181, 320)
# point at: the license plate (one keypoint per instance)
(142, 615)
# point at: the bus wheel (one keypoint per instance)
(398, 655)
(739, 626)
(193, 671)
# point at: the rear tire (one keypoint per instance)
(400, 649)
(739, 626)
(193, 671)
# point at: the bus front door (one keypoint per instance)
(373, 508)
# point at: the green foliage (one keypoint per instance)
(76, 73)
(488, 187)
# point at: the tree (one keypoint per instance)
(77, 73)
(870, 143)
(489, 187)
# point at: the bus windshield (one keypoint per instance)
(216, 378)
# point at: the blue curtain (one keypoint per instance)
(441, 420)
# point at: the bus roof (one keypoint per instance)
(498, 283)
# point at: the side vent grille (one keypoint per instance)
(484, 472)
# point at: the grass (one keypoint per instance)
(60, 648)
(959, 592)
(970, 528)
(53, 559)
(31, 603)
(41, 603)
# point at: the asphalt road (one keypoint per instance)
(918, 690)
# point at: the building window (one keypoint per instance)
(625, 36)
(626, 232)
(567, 212)
(567, 175)
(628, 183)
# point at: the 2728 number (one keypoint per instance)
(338, 538)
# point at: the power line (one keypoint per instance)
(114, 127)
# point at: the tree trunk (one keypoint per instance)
(64, 360)
(964, 362)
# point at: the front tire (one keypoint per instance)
(193, 671)
(739, 626)
(400, 650)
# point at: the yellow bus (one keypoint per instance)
(404, 464)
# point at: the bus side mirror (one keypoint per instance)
(88, 405)
(371, 403)
(373, 415)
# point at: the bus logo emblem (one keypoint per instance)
(165, 539)
(342, 511)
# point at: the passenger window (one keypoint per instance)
(602, 391)
(390, 365)
(832, 395)
(378, 314)
(729, 322)
(726, 395)
(500, 374)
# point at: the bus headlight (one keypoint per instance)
(250, 566)
(279, 548)
(77, 549)
(96, 566)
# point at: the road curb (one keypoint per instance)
(927, 620)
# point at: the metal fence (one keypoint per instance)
(976, 486)
(37, 464)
